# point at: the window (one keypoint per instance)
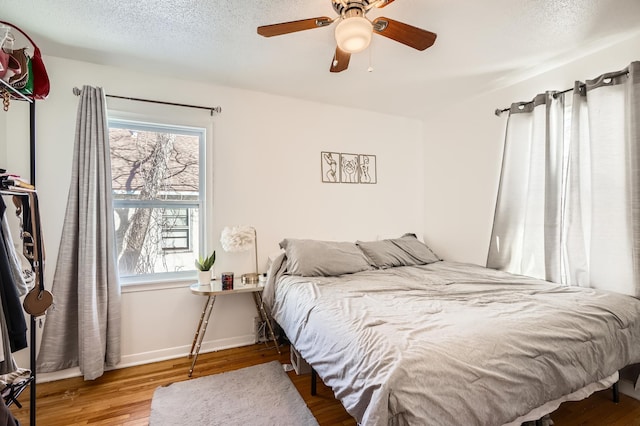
(158, 192)
(176, 233)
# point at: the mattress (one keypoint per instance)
(450, 343)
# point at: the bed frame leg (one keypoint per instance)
(313, 382)
(616, 392)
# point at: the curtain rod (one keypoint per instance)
(499, 111)
(216, 109)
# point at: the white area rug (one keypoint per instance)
(258, 395)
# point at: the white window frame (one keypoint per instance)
(200, 204)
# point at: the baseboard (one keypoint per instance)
(155, 356)
(177, 352)
(627, 388)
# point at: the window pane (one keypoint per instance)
(154, 165)
(177, 239)
(148, 243)
(175, 218)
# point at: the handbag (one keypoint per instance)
(38, 299)
(27, 89)
(41, 85)
(12, 66)
(19, 80)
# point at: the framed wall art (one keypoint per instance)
(329, 167)
(349, 168)
(343, 167)
(367, 169)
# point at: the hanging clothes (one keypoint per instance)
(17, 272)
(16, 326)
(7, 365)
(6, 418)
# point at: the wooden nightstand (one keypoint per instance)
(212, 291)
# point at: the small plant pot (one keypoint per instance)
(204, 277)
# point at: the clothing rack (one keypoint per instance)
(32, 321)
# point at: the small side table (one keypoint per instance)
(215, 289)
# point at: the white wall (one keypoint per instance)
(266, 173)
(463, 154)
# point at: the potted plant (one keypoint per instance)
(204, 265)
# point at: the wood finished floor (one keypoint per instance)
(123, 397)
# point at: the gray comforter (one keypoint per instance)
(452, 344)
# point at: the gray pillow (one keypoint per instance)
(385, 254)
(313, 258)
(404, 251)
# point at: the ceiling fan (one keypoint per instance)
(353, 32)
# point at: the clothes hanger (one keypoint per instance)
(7, 39)
(4, 55)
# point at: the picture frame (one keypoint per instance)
(329, 166)
(349, 168)
(367, 169)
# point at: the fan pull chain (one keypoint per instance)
(370, 69)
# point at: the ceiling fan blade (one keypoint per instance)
(294, 26)
(404, 33)
(385, 3)
(340, 60)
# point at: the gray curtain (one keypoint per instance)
(528, 229)
(83, 328)
(568, 207)
(603, 194)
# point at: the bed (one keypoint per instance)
(404, 338)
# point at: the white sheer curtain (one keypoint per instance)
(603, 243)
(83, 329)
(573, 218)
(527, 229)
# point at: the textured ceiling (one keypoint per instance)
(481, 45)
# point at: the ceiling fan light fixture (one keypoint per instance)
(353, 34)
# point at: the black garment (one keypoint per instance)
(26, 221)
(11, 306)
(6, 418)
